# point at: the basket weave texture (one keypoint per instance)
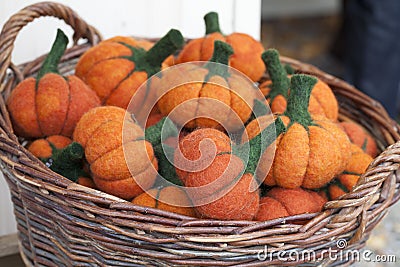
(61, 223)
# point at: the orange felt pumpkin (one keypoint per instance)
(322, 100)
(311, 151)
(282, 202)
(247, 50)
(100, 133)
(360, 137)
(116, 68)
(207, 96)
(345, 181)
(170, 198)
(219, 181)
(120, 153)
(43, 148)
(51, 104)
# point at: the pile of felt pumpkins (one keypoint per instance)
(75, 123)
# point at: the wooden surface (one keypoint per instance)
(8, 245)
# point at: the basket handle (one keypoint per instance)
(42, 9)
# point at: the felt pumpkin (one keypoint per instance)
(43, 148)
(282, 202)
(219, 181)
(276, 91)
(360, 137)
(123, 167)
(311, 151)
(116, 68)
(170, 198)
(345, 181)
(50, 104)
(247, 50)
(212, 96)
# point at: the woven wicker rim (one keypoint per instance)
(169, 238)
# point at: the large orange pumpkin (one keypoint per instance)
(116, 68)
(216, 98)
(311, 151)
(123, 166)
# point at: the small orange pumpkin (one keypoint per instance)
(322, 100)
(311, 151)
(282, 202)
(345, 181)
(360, 137)
(51, 104)
(247, 51)
(170, 198)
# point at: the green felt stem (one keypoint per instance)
(50, 64)
(277, 73)
(254, 148)
(212, 22)
(68, 161)
(151, 61)
(300, 91)
(221, 54)
(165, 169)
(159, 132)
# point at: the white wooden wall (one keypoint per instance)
(151, 18)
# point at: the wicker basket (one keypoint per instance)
(61, 223)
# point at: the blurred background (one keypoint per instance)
(312, 31)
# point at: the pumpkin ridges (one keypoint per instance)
(51, 90)
(341, 138)
(308, 205)
(326, 100)
(238, 42)
(359, 136)
(122, 94)
(213, 89)
(273, 209)
(100, 53)
(93, 119)
(156, 198)
(116, 134)
(21, 105)
(294, 142)
(119, 69)
(81, 100)
(191, 53)
(318, 174)
(128, 188)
